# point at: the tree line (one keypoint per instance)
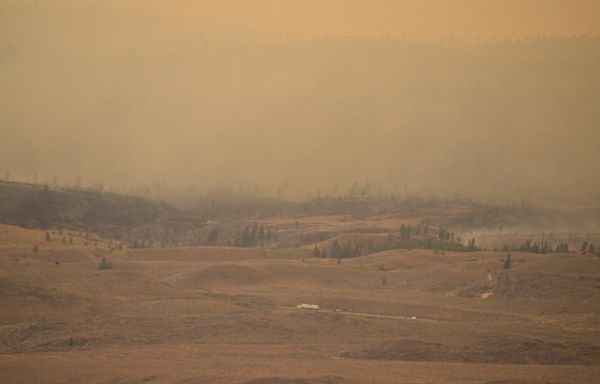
(253, 235)
(543, 247)
(408, 237)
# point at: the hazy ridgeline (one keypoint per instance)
(504, 120)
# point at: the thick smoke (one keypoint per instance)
(136, 94)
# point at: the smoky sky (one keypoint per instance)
(479, 99)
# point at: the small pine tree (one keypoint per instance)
(584, 247)
(246, 237)
(316, 252)
(471, 246)
(48, 237)
(36, 249)
(334, 249)
(105, 264)
(507, 262)
(71, 342)
(213, 237)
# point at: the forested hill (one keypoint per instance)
(112, 215)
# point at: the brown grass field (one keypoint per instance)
(227, 315)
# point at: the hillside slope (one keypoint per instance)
(115, 216)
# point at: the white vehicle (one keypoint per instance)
(307, 306)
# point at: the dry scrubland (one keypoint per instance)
(226, 315)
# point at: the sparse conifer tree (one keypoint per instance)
(213, 236)
(316, 252)
(334, 249)
(584, 247)
(105, 264)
